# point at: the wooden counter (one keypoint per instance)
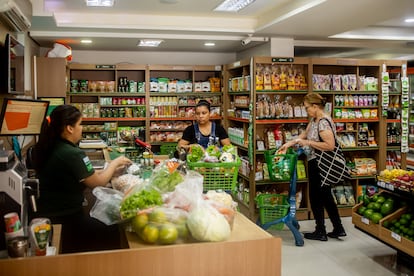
(249, 251)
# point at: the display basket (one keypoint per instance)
(168, 149)
(280, 166)
(272, 207)
(217, 176)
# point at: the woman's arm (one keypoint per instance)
(183, 144)
(291, 143)
(102, 177)
(225, 142)
(327, 143)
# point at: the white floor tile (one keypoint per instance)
(356, 254)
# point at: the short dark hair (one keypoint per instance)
(203, 103)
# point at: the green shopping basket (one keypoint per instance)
(217, 176)
(272, 207)
(280, 166)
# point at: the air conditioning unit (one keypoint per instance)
(16, 14)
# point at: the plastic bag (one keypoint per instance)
(161, 225)
(125, 182)
(106, 207)
(166, 176)
(186, 192)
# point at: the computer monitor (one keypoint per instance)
(22, 116)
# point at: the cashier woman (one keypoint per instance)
(64, 171)
(204, 132)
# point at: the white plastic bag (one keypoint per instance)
(107, 205)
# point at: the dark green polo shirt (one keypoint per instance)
(61, 187)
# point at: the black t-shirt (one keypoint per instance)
(61, 187)
(189, 134)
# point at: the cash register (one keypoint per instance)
(18, 117)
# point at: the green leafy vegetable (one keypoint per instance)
(165, 181)
(138, 201)
(196, 153)
(213, 151)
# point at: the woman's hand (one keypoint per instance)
(302, 142)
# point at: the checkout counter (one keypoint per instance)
(249, 251)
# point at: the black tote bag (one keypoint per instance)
(332, 164)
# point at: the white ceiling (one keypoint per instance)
(185, 25)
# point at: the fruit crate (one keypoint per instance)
(272, 207)
(366, 224)
(168, 149)
(217, 176)
(396, 240)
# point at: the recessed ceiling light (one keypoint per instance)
(150, 42)
(409, 20)
(209, 44)
(233, 5)
(99, 3)
(86, 41)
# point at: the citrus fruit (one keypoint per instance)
(380, 199)
(376, 206)
(371, 205)
(139, 222)
(150, 233)
(386, 224)
(182, 231)
(376, 217)
(387, 208)
(158, 215)
(368, 213)
(168, 234)
(361, 210)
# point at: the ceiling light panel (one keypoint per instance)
(99, 3)
(233, 5)
(149, 42)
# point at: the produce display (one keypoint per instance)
(403, 225)
(396, 179)
(378, 206)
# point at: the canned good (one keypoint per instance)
(17, 247)
(12, 222)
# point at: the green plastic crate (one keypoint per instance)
(217, 176)
(168, 149)
(272, 207)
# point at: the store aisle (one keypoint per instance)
(356, 254)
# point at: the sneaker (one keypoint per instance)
(319, 236)
(336, 234)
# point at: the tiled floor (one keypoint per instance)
(356, 254)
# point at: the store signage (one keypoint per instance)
(282, 59)
(105, 66)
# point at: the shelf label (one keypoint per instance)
(365, 220)
(102, 66)
(396, 237)
(279, 59)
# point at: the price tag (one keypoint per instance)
(381, 184)
(396, 236)
(390, 187)
(365, 220)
